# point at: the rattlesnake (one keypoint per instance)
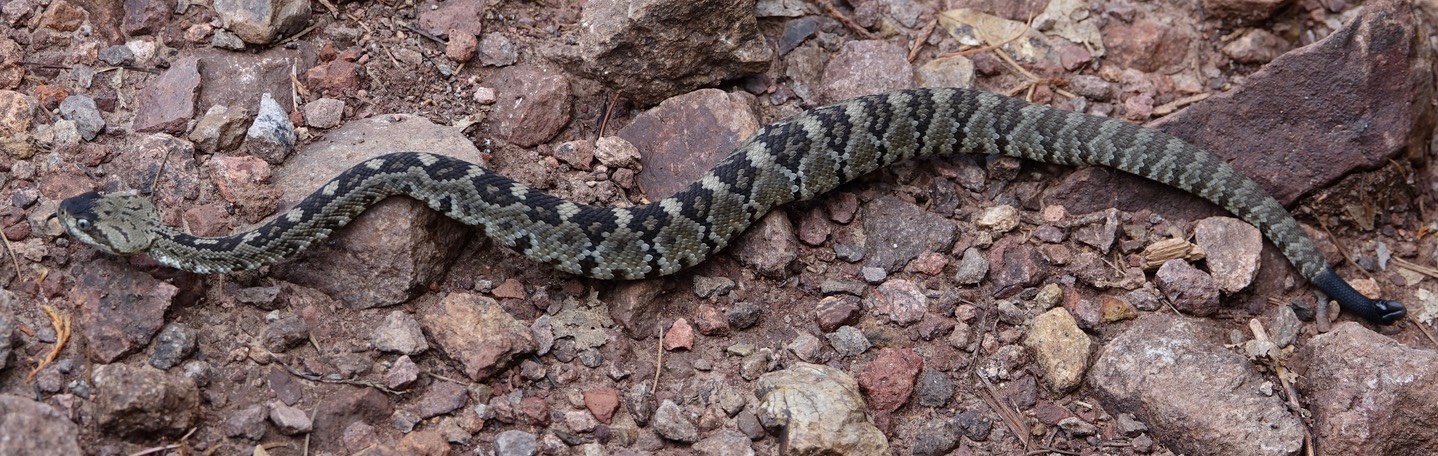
(797, 159)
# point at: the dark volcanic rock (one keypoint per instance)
(1361, 94)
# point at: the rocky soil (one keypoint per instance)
(972, 305)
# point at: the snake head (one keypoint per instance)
(119, 223)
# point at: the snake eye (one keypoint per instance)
(82, 224)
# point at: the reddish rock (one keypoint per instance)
(338, 76)
(235, 175)
(1242, 10)
(395, 248)
(679, 336)
(461, 46)
(532, 105)
(63, 16)
(842, 206)
(239, 79)
(602, 402)
(17, 232)
(510, 289)
(168, 103)
(50, 95)
(439, 17)
(344, 407)
(929, 263)
(11, 71)
(835, 311)
(534, 411)
(635, 306)
(902, 301)
(686, 135)
(424, 443)
(121, 308)
(402, 374)
(888, 380)
(16, 110)
(1148, 45)
(442, 397)
(475, 331)
(769, 246)
(711, 321)
(210, 219)
(577, 154)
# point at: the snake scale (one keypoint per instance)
(797, 159)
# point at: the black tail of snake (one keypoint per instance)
(797, 159)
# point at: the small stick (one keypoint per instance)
(923, 37)
(848, 23)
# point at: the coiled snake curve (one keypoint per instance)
(796, 159)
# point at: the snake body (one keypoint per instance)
(796, 159)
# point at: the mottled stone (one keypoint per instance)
(120, 307)
(1377, 394)
(81, 109)
(865, 68)
(898, 231)
(1060, 347)
(671, 422)
(901, 300)
(1197, 395)
(1191, 291)
(290, 420)
(478, 333)
(704, 43)
(175, 343)
(140, 401)
(1232, 249)
(399, 333)
(888, 380)
(262, 21)
(819, 411)
(533, 104)
(35, 428)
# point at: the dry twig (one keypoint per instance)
(848, 23)
(61, 323)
